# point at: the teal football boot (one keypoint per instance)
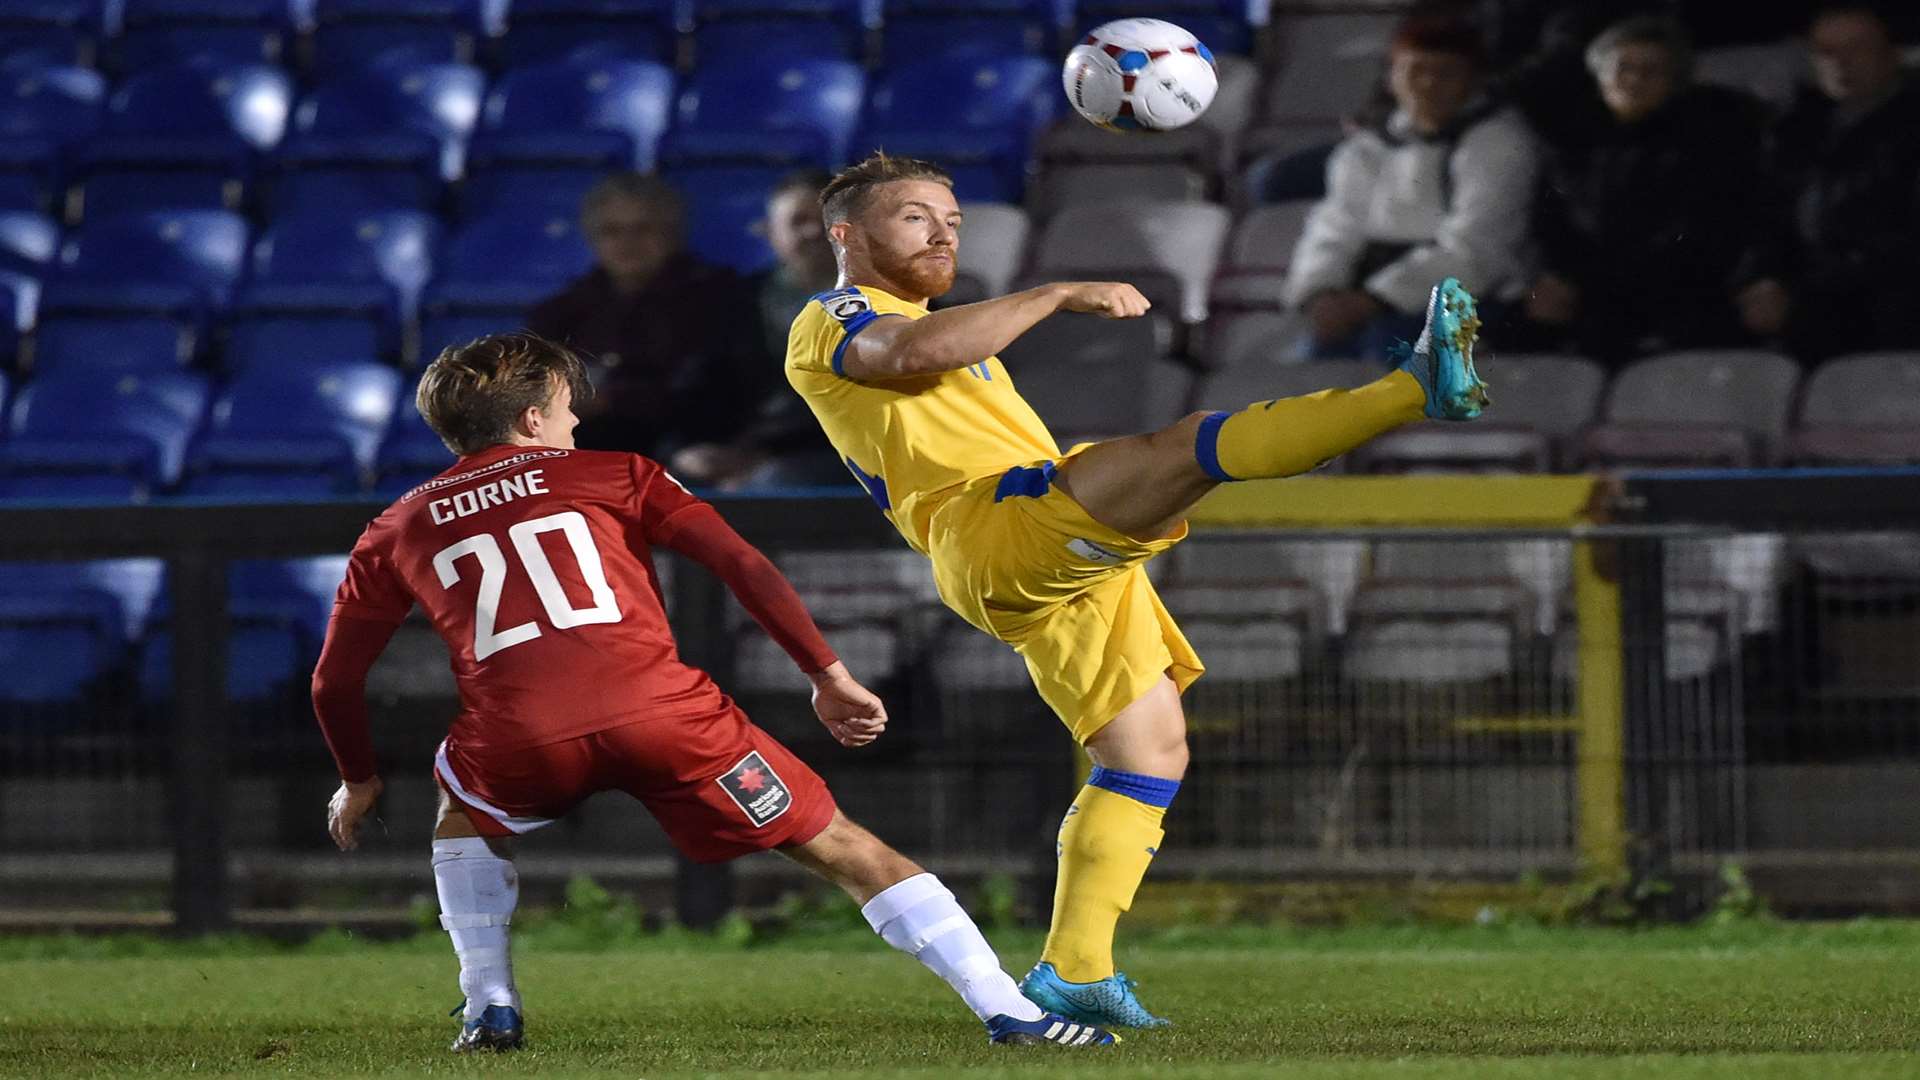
(1109, 1002)
(1442, 360)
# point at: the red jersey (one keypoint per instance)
(534, 564)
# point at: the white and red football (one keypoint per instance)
(1140, 75)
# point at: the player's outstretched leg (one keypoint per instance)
(913, 912)
(479, 889)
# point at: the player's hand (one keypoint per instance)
(1763, 307)
(348, 806)
(851, 712)
(1108, 299)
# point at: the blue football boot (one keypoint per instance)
(1442, 360)
(498, 1028)
(1109, 1002)
(1050, 1028)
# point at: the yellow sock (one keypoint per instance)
(1288, 436)
(1109, 837)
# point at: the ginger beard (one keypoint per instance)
(926, 272)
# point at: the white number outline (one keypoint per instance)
(525, 538)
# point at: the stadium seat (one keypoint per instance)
(922, 28)
(601, 114)
(409, 454)
(184, 136)
(492, 191)
(277, 612)
(543, 30)
(1287, 173)
(1329, 64)
(387, 137)
(111, 346)
(744, 31)
(1862, 409)
(65, 626)
(1256, 340)
(508, 263)
(1169, 249)
(1225, 26)
(1254, 269)
(978, 115)
(1727, 408)
(75, 434)
(156, 32)
(50, 32)
(1308, 582)
(793, 113)
(288, 431)
(1096, 184)
(456, 327)
(364, 33)
(28, 241)
(993, 248)
(177, 263)
(726, 208)
(1056, 363)
(1545, 401)
(44, 112)
(329, 287)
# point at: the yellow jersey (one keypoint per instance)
(912, 442)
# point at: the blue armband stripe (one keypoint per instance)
(1152, 790)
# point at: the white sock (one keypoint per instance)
(478, 891)
(921, 918)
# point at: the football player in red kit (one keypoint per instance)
(533, 561)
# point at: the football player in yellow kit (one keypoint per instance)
(1045, 550)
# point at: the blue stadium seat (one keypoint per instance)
(410, 454)
(790, 113)
(492, 191)
(542, 30)
(44, 111)
(387, 137)
(358, 33)
(37, 32)
(177, 263)
(65, 626)
(28, 241)
(74, 434)
(185, 136)
(15, 314)
(111, 346)
(725, 206)
(918, 29)
(508, 263)
(156, 32)
(291, 430)
(605, 112)
(749, 31)
(277, 612)
(1224, 26)
(327, 286)
(978, 115)
(453, 326)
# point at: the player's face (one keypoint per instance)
(632, 238)
(1637, 78)
(1432, 87)
(1853, 60)
(557, 419)
(912, 234)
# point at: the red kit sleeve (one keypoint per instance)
(368, 608)
(675, 519)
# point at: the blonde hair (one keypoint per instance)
(846, 194)
(472, 394)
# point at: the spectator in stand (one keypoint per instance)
(1848, 152)
(1652, 231)
(672, 358)
(1439, 188)
(783, 445)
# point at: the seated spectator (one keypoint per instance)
(1440, 188)
(674, 361)
(1848, 152)
(1652, 228)
(783, 446)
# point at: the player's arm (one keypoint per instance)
(958, 337)
(340, 705)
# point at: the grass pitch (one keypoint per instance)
(1751, 1000)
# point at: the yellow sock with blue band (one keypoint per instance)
(1109, 836)
(1288, 436)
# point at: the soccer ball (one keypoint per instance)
(1140, 75)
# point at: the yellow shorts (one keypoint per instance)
(1019, 558)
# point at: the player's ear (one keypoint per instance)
(838, 232)
(530, 422)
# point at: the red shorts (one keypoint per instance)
(720, 787)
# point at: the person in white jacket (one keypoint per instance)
(1442, 188)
